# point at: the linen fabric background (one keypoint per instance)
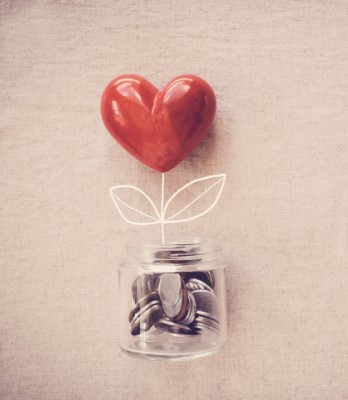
(280, 73)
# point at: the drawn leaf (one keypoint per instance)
(212, 188)
(124, 196)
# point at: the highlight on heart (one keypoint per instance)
(161, 128)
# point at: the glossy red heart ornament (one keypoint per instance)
(159, 128)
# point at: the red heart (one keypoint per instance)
(159, 128)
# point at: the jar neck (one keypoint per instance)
(184, 251)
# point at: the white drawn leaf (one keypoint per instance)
(122, 198)
(213, 185)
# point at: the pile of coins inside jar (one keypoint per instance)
(179, 303)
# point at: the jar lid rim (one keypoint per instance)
(181, 251)
(212, 242)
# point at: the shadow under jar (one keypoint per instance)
(172, 299)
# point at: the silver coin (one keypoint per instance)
(199, 327)
(208, 277)
(177, 255)
(196, 284)
(174, 327)
(207, 321)
(144, 309)
(162, 256)
(206, 301)
(201, 323)
(173, 295)
(191, 311)
(142, 303)
(204, 314)
(211, 278)
(143, 285)
(146, 319)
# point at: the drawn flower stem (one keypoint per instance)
(162, 209)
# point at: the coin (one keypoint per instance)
(143, 285)
(146, 318)
(204, 314)
(201, 323)
(174, 327)
(196, 284)
(144, 309)
(180, 303)
(173, 295)
(142, 303)
(191, 311)
(177, 256)
(161, 256)
(206, 301)
(207, 277)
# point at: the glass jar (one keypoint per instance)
(172, 299)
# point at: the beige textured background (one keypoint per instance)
(280, 72)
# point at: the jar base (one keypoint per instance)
(172, 357)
